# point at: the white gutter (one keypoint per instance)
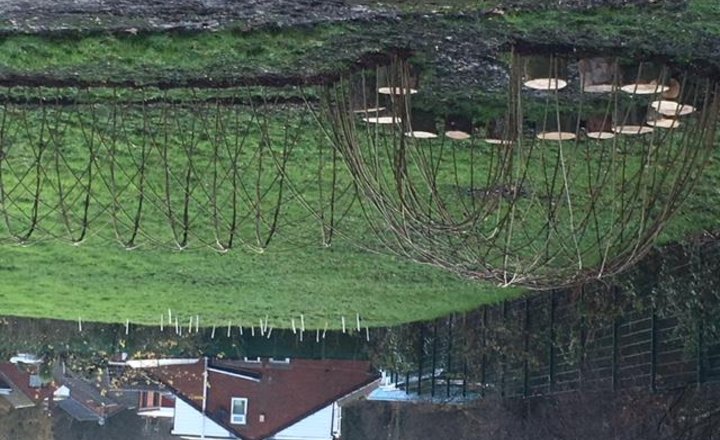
(231, 374)
(155, 363)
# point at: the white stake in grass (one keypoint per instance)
(292, 321)
(162, 318)
(212, 334)
(343, 324)
(302, 322)
(357, 318)
(80, 324)
(127, 326)
(229, 329)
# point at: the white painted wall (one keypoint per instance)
(157, 412)
(189, 422)
(318, 426)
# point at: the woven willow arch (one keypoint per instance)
(217, 169)
(528, 198)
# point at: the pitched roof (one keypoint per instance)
(78, 411)
(86, 403)
(283, 393)
(22, 394)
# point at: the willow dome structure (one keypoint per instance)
(572, 178)
(174, 169)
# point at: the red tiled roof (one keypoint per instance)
(285, 394)
(21, 381)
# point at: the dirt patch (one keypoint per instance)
(534, 5)
(53, 16)
(461, 49)
(39, 16)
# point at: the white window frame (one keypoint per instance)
(280, 360)
(240, 420)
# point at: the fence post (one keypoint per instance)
(653, 350)
(583, 336)
(616, 325)
(483, 366)
(551, 366)
(421, 351)
(526, 366)
(448, 367)
(434, 360)
(700, 350)
(503, 357)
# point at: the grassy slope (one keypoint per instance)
(109, 284)
(61, 281)
(161, 55)
(295, 275)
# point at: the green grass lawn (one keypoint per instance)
(291, 276)
(167, 56)
(97, 282)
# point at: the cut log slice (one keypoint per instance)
(421, 135)
(600, 135)
(556, 136)
(664, 123)
(457, 135)
(632, 130)
(369, 110)
(382, 120)
(673, 92)
(494, 141)
(644, 89)
(671, 108)
(546, 84)
(396, 91)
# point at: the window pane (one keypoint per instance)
(238, 407)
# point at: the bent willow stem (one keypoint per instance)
(560, 184)
(213, 169)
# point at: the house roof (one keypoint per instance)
(22, 394)
(78, 411)
(86, 403)
(283, 393)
